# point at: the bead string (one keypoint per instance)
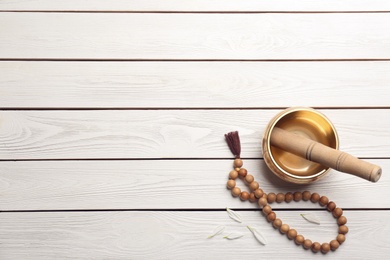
(264, 200)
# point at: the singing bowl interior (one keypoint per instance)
(306, 122)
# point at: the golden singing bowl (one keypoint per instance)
(308, 123)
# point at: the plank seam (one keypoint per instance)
(188, 60)
(185, 209)
(154, 159)
(194, 12)
(181, 108)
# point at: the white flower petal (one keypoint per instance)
(311, 218)
(233, 215)
(259, 237)
(218, 230)
(233, 236)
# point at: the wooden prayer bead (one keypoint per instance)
(306, 195)
(340, 238)
(292, 234)
(233, 174)
(267, 209)
(343, 229)
(244, 196)
(342, 220)
(337, 212)
(277, 223)
(315, 197)
(334, 245)
(259, 193)
(297, 196)
(263, 202)
(238, 163)
(252, 197)
(316, 247)
(231, 184)
(279, 197)
(299, 240)
(242, 172)
(325, 248)
(254, 186)
(307, 244)
(288, 197)
(271, 197)
(236, 191)
(324, 200)
(331, 206)
(271, 216)
(249, 178)
(284, 228)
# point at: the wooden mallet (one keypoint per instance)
(324, 155)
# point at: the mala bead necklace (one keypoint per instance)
(264, 200)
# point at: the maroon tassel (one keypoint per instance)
(233, 141)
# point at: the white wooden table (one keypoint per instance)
(113, 115)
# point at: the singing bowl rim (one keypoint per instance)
(272, 163)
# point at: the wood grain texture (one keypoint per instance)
(165, 184)
(194, 36)
(193, 84)
(198, 5)
(169, 133)
(169, 193)
(181, 235)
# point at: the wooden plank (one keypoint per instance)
(181, 235)
(198, 5)
(193, 84)
(168, 133)
(164, 184)
(212, 36)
